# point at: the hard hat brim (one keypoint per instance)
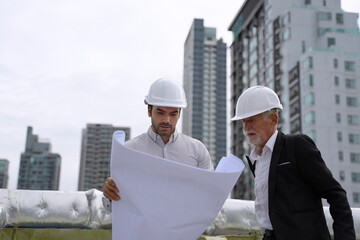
(166, 105)
(240, 117)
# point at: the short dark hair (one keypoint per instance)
(151, 108)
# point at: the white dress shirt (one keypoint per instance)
(180, 148)
(261, 183)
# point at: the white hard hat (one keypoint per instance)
(166, 93)
(256, 100)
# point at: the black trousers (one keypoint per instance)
(269, 235)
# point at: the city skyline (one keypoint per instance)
(54, 69)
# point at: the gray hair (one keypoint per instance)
(266, 114)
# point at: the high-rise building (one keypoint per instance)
(205, 88)
(308, 51)
(39, 168)
(95, 156)
(4, 173)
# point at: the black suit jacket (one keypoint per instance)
(298, 180)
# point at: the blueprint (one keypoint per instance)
(162, 198)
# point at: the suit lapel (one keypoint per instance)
(279, 143)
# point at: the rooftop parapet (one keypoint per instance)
(84, 210)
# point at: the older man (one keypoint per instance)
(291, 177)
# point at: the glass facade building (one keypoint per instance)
(308, 52)
(205, 87)
(4, 173)
(39, 168)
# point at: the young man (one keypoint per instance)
(165, 100)
(291, 177)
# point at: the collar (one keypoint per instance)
(268, 146)
(156, 137)
(271, 142)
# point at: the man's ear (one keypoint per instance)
(275, 118)
(149, 111)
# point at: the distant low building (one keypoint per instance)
(4, 173)
(39, 168)
(95, 156)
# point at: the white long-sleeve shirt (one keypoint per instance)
(180, 148)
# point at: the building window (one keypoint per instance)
(355, 157)
(312, 135)
(307, 64)
(353, 120)
(341, 156)
(355, 177)
(337, 99)
(354, 138)
(338, 117)
(324, 16)
(350, 83)
(339, 136)
(286, 19)
(307, 2)
(351, 101)
(339, 18)
(330, 42)
(303, 46)
(322, 31)
(294, 91)
(342, 175)
(336, 81)
(295, 126)
(349, 65)
(309, 100)
(356, 197)
(269, 27)
(308, 82)
(287, 34)
(335, 63)
(309, 118)
(294, 108)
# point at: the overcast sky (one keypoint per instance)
(67, 63)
